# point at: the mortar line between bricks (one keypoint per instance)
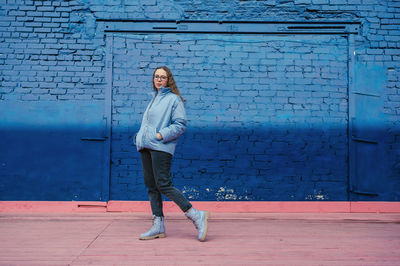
(88, 246)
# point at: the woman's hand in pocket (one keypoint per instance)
(159, 136)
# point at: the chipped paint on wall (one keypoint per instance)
(191, 193)
(317, 195)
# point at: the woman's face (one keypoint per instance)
(160, 78)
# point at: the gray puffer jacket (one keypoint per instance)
(166, 115)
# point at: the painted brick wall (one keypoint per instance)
(55, 51)
(266, 114)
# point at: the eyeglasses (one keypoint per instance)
(160, 77)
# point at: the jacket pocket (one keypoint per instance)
(152, 136)
(137, 140)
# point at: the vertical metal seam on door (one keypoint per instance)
(107, 117)
(350, 112)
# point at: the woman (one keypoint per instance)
(163, 122)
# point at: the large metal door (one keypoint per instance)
(268, 114)
(53, 150)
(367, 157)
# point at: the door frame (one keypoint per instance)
(107, 118)
(347, 29)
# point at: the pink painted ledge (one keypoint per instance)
(52, 206)
(213, 206)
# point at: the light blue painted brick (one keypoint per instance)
(42, 30)
(33, 24)
(17, 23)
(29, 97)
(51, 25)
(197, 47)
(294, 74)
(66, 85)
(49, 51)
(39, 68)
(27, 19)
(24, 29)
(4, 24)
(45, 8)
(26, 8)
(76, 46)
(239, 54)
(34, 14)
(392, 38)
(52, 14)
(93, 69)
(47, 85)
(16, 13)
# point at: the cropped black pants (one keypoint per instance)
(157, 178)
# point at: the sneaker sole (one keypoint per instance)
(152, 237)
(203, 237)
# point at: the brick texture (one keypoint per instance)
(258, 120)
(268, 115)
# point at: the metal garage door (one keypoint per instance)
(268, 114)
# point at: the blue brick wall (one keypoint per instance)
(268, 125)
(256, 120)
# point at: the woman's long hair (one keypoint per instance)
(171, 82)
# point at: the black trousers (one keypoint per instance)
(157, 177)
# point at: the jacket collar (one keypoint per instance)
(164, 90)
(161, 91)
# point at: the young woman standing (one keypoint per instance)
(163, 122)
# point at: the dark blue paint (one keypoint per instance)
(251, 164)
(51, 151)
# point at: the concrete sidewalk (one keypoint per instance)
(233, 238)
